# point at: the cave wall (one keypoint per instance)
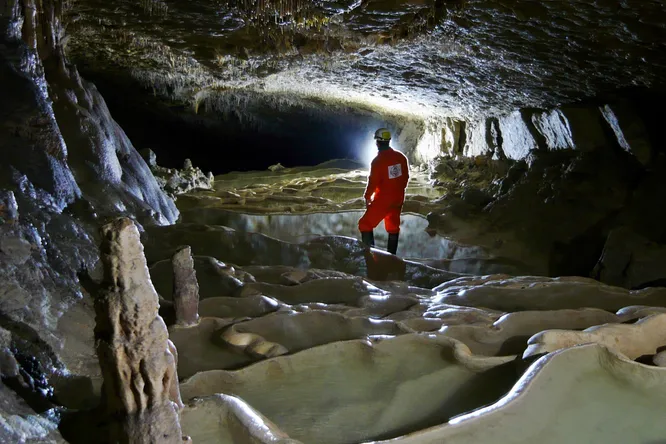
(67, 166)
(617, 122)
(559, 183)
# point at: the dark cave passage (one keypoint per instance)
(222, 143)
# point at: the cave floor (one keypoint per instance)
(324, 341)
(333, 186)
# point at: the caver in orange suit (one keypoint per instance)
(385, 193)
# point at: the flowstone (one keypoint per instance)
(358, 390)
(538, 293)
(645, 337)
(579, 393)
(228, 419)
(509, 334)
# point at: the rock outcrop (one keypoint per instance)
(66, 167)
(174, 181)
(140, 388)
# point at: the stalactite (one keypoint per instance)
(266, 11)
(29, 23)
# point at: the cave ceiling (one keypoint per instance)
(452, 57)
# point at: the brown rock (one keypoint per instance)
(185, 287)
(138, 365)
(382, 266)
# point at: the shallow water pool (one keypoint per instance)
(415, 242)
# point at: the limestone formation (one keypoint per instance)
(214, 277)
(645, 337)
(223, 418)
(635, 312)
(282, 331)
(175, 182)
(660, 359)
(537, 293)
(224, 307)
(65, 163)
(204, 352)
(356, 391)
(139, 368)
(149, 156)
(509, 334)
(577, 392)
(253, 345)
(185, 287)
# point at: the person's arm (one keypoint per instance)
(406, 172)
(373, 181)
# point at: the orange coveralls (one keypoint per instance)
(389, 174)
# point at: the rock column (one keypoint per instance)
(138, 364)
(185, 287)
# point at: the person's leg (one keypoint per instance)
(368, 238)
(367, 223)
(392, 224)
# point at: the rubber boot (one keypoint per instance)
(368, 238)
(392, 244)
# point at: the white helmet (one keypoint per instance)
(383, 134)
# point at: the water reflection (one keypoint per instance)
(415, 242)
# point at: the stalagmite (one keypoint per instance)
(185, 287)
(138, 362)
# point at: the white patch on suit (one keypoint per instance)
(395, 171)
